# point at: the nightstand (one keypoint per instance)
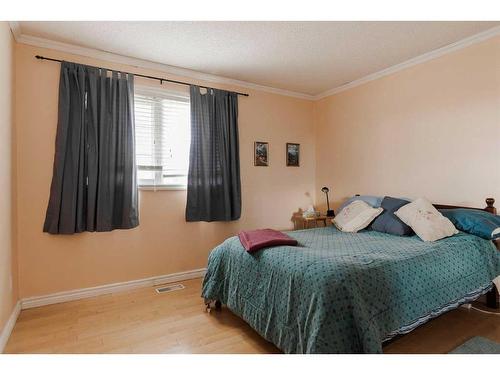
(315, 220)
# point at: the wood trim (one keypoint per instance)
(15, 27)
(145, 64)
(490, 202)
(9, 326)
(76, 294)
(112, 57)
(485, 35)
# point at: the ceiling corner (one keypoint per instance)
(463, 43)
(15, 27)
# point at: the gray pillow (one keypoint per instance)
(387, 222)
(370, 199)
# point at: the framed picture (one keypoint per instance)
(261, 154)
(292, 154)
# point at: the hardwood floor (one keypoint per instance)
(142, 321)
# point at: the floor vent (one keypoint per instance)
(170, 288)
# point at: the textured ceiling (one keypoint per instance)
(305, 57)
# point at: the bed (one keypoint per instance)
(348, 292)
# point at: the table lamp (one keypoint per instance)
(329, 212)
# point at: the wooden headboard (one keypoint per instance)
(489, 206)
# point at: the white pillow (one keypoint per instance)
(356, 216)
(425, 220)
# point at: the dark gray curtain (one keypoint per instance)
(94, 186)
(214, 188)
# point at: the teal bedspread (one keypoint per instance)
(347, 292)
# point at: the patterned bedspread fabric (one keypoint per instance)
(346, 292)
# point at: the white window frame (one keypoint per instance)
(164, 93)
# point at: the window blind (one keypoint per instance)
(162, 133)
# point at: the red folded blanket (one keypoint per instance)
(253, 240)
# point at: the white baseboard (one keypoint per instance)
(72, 295)
(9, 326)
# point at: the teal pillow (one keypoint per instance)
(477, 222)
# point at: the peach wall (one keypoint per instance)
(8, 259)
(164, 243)
(431, 130)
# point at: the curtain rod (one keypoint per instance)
(144, 76)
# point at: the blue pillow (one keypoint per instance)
(477, 222)
(387, 222)
(370, 199)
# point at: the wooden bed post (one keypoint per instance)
(492, 209)
(489, 206)
(208, 305)
(492, 297)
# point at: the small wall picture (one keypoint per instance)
(292, 154)
(261, 154)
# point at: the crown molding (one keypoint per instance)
(16, 29)
(477, 38)
(188, 73)
(145, 64)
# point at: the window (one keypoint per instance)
(163, 136)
